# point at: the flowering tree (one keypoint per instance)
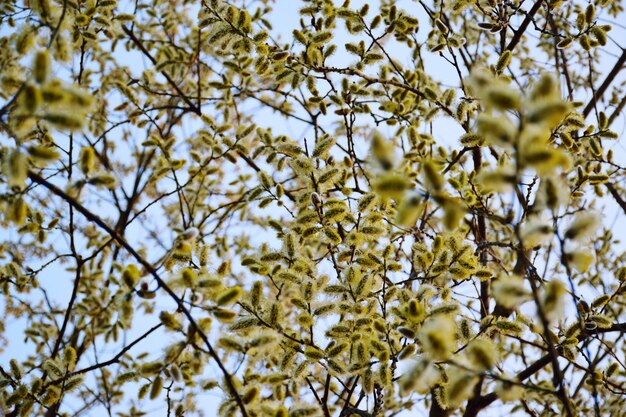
(364, 210)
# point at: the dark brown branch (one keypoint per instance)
(618, 198)
(517, 35)
(605, 84)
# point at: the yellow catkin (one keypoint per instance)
(131, 276)
(155, 389)
(30, 99)
(250, 395)
(15, 167)
(87, 158)
(70, 357)
(18, 211)
(229, 296)
(41, 66)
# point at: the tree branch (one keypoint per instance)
(618, 198)
(605, 84)
(143, 49)
(122, 242)
(486, 400)
(517, 35)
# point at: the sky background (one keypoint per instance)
(284, 17)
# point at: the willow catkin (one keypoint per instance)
(41, 66)
(87, 159)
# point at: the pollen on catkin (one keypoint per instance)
(438, 337)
